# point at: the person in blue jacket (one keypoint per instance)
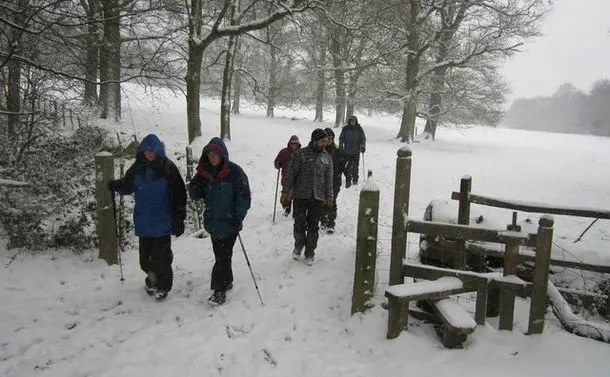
(160, 210)
(352, 142)
(225, 190)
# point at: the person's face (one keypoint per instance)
(322, 143)
(214, 158)
(150, 156)
(330, 140)
(294, 146)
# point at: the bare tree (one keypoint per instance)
(225, 105)
(212, 16)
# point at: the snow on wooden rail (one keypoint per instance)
(463, 232)
(534, 207)
(11, 183)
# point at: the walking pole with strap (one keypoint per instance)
(277, 183)
(250, 267)
(119, 241)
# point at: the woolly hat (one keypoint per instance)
(329, 132)
(318, 134)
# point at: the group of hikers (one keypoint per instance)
(311, 180)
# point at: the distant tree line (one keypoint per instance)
(568, 110)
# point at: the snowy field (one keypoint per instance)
(65, 315)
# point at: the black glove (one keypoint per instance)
(237, 223)
(114, 185)
(362, 149)
(178, 228)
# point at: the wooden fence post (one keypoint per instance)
(104, 171)
(463, 219)
(366, 249)
(538, 303)
(507, 296)
(189, 163)
(402, 187)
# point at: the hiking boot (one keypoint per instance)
(218, 298)
(287, 212)
(230, 286)
(150, 290)
(296, 253)
(160, 295)
(308, 261)
(348, 184)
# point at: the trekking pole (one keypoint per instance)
(277, 183)
(585, 231)
(115, 231)
(250, 267)
(363, 166)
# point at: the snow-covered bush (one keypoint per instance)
(58, 208)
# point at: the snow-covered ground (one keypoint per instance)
(67, 315)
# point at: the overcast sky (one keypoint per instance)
(575, 47)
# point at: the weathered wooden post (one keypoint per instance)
(538, 302)
(106, 231)
(366, 248)
(189, 163)
(63, 114)
(463, 219)
(511, 261)
(402, 187)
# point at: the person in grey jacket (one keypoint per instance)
(352, 142)
(310, 179)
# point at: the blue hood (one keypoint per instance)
(152, 143)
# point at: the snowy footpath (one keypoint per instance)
(69, 315)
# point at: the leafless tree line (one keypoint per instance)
(436, 59)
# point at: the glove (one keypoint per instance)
(284, 199)
(362, 149)
(329, 204)
(114, 185)
(178, 228)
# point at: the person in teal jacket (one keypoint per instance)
(225, 190)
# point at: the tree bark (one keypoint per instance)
(407, 123)
(320, 86)
(92, 51)
(236, 79)
(225, 105)
(193, 86)
(272, 94)
(111, 51)
(339, 73)
(352, 90)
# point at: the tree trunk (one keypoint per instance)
(271, 97)
(112, 58)
(320, 87)
(92, 53)
(193, 86)
(225, 105)
(14, 97)
(236, 78)
(339, 72)
(352, 90)
(407, 123)
(435, 105)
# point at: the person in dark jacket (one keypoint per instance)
(225, 190)
(310, 179)
(160, 209)
(281, 162)
(352, 142)
(329, 217)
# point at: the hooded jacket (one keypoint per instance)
(352, 139)
(224, 189)
(285, 156)
(158, 188)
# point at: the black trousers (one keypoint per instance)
(352, 167)
(307, 214)
(156, 259)
(222, 272)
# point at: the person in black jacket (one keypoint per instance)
(160, 210)
(352, 142)
(329, 217)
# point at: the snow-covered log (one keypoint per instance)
(574, 323)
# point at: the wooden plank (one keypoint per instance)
(463, 219)
(462, 232)
(366, 251)
(535, 207)
(507, 297)
(426, 290)
(538, 302)
(402, 189)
